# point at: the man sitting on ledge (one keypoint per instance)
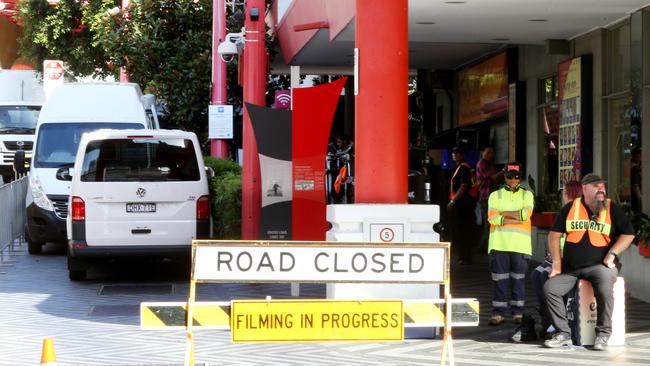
(597, 233)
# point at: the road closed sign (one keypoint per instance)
(317, 321)
(319, 261)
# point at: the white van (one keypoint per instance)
(21, 98)
(70, 111)
(136, 193)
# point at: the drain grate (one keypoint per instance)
(114, 310)
(136, 290)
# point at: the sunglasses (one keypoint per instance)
(512, 176)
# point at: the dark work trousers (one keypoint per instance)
(508, 271)
(463, 224)
(602, 280)
(539, 276)
(485, 233)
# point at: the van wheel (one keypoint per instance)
(33, 247)
(77, 275)
(77, 269)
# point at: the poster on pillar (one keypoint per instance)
(272, 128)
(313, 113)
(575, 132)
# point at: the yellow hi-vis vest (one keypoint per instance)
(510, 237)
(578, 223)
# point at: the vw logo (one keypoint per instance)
(20, 143)
(140, 192)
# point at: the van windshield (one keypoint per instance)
(18, 119)
(57, 143)
(140, 159)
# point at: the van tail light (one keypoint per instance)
(203, 208)
(78, 209)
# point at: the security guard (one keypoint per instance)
(509, 245)
(597, 233)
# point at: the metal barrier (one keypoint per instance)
(12, 215)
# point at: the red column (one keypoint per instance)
(218, 147)
(254, 88)
(124, 76)
(381, 116)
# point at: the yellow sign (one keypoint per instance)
(316, 321)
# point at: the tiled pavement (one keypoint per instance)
(96, 323)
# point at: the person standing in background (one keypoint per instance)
(488, 178)
(461, 208)
(510, 245)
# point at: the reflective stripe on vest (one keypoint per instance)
(578, 222)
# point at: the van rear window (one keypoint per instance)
(140, 159)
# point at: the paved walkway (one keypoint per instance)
(96, 323)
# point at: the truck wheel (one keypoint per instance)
(33, 247)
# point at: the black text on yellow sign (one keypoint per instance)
(316, 321)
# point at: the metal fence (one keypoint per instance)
(12, 214)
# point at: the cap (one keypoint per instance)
(513, 170)
(592, 178)
(456, 149)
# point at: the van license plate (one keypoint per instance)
(140, 207)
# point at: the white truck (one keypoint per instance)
(70, 111)
(21, 98)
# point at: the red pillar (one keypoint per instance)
(124, 76)
(218, 147)
(254, 88)
(381, 109)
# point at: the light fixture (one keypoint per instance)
(538, 20)
(425, 23)
(500, 39)
(455, 2)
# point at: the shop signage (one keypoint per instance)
(574, 135)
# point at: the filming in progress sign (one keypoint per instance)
(317, 321)
(216, 261)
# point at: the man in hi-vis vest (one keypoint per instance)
(597, 232)
(509, 245)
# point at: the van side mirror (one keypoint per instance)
(20, 163)
(63, 174)
(209, 172)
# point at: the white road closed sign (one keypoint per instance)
(346, 262)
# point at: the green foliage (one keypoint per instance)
(549, 201)
(165, 46)
(221, 166)
(62, 32)
(226, 193)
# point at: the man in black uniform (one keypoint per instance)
(597, 233)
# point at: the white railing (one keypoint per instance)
(12, 214)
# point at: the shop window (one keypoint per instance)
(618, 59)
(548, 140)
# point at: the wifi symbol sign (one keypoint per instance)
(282, 99)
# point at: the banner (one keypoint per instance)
(272, 129)
(313, 112)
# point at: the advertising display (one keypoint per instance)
(574, 135)
(483, 91)
(292, 147)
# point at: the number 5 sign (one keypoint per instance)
(386, 231)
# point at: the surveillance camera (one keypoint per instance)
(229, 48)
